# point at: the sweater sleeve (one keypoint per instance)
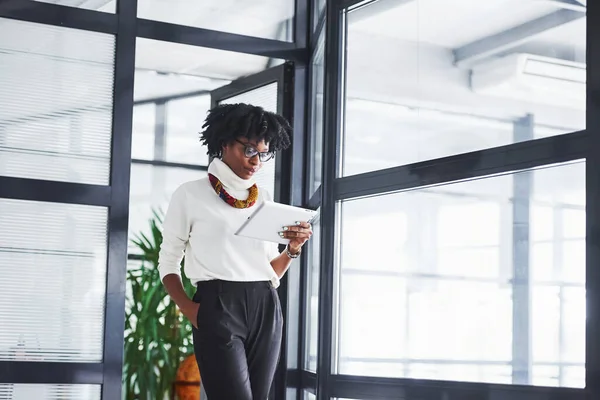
(176, 232)
(272, 248)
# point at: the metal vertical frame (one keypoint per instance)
(118, 214)
(310, 143)
(301, 124)
(332, 97)
(592, 352)
(305, 276)
(295, 340)
(289, 169)
(558, 262)
(302, 24)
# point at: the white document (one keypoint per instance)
(269, 218)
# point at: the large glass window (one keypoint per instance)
(56, 100)
(53, 258)
(57, 97)
(481, 281)
(427, 78)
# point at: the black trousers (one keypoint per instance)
(238, 340)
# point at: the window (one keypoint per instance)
(144, 126)
(50, 255)
(309, 396)
(318, 11)
(183, 126)
(462, 281)
(55, 124)
(152, 185)
(49, 392)
(57, 97)
(151, 190)
(312, 306)
(291, 394)
(426, 79)
(316, 100)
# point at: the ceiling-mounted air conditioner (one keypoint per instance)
(532, 78)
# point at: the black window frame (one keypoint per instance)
(504, 159)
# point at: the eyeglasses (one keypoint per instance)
(251, 151)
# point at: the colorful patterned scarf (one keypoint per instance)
(229, 199)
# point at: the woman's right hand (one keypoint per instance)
(191, 313)
(188, 307)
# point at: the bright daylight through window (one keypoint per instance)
(482, 280)
(432, 78)
(468, 286)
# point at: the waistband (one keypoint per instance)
(221, 285)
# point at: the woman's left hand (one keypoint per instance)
(297, 234)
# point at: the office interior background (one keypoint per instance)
(451, 147)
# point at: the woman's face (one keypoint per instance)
(235, 155)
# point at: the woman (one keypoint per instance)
(235, 312)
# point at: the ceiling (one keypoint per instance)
(253, 18)
(199, 61)
(445, 23)
(151, 85)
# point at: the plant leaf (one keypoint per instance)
(157, 336)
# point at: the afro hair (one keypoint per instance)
(227, 122)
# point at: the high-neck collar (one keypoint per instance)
(228, 178)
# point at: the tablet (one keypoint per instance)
(269, 218)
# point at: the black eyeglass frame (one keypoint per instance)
(251, 151)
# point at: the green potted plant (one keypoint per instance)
(157, 336)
